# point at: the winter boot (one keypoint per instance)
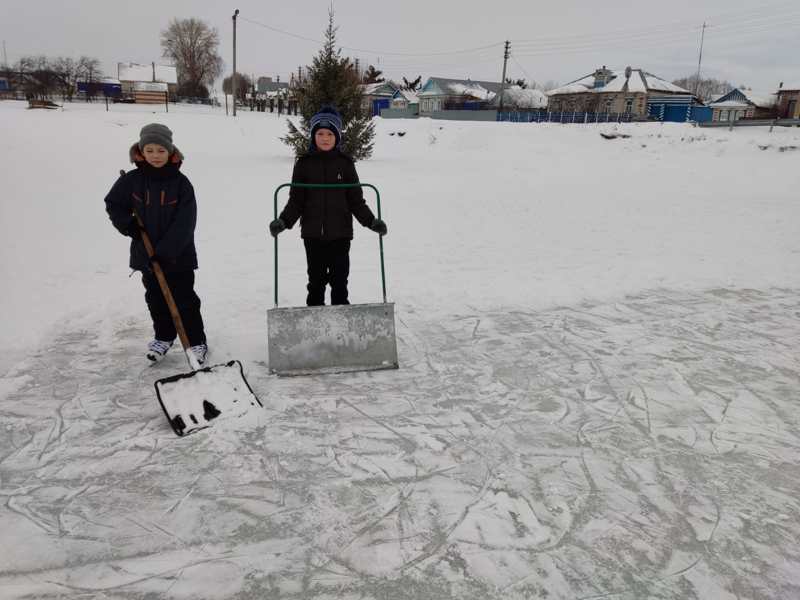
(199, 352)
(156, 350)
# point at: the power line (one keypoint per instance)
(524, 72)
(665, 36)
(380, 52)
(662, 28)
(652, 41)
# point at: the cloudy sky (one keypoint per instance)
(756, 44)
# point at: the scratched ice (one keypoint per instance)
(641, 448)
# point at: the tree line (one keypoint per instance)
(43, 76)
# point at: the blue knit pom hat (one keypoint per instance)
(326, 118)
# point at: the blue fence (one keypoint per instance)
(543, 116)
(657, 112)
(678, 110)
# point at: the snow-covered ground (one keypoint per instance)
(597, 395)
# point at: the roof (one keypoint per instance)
(382, 88)
(747, 97)
(137, 72)
(265, 85)
(793, 87)
(640, 82)
(729, 104)
(440, 86)
(408, 95)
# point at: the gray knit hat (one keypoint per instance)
(156, 133)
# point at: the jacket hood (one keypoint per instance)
(136, 156)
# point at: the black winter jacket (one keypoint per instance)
(326, 214)
(165, 201)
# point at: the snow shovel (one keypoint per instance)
(192, 401)
(312, 340)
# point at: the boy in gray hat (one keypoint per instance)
(165, 201)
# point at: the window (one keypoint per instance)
(628, 106)
(723, 115)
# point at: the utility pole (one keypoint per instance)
(5, 56)
(506, 56)
(700, 60)
(233, 81)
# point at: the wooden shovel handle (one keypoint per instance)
(162, 281)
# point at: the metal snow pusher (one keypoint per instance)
(311, 340)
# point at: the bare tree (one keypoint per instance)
(373, 75)
(192, 45)
(66, 69)
(89, 69)
(706, 88)
(243, 86)
(412, 85)
(36, 76)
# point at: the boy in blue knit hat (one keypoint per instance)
(326, 215)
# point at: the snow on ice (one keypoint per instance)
(597, 393)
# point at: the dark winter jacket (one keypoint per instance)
(164, 199)
(326, 214)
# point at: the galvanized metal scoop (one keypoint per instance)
(331, 339)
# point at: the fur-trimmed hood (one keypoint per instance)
(136, 155)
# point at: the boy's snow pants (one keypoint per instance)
(328, 262)
(181, 284)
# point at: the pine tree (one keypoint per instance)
(332, 80)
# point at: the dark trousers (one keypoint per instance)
(328, 262)
(181, 284)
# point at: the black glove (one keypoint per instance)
(379, 227)
(134, 230)
(276, 227)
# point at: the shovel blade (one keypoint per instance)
(331, 339)
(193, 401)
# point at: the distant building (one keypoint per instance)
(632, 92)
(270, 89)
(147, 84)
(376, 96)
(743, 104)
(105, 86)
(789, 101)
(440, 93)
(406, 100)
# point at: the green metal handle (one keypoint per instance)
(328, 186)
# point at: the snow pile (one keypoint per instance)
(474, 90)
(516, 97)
